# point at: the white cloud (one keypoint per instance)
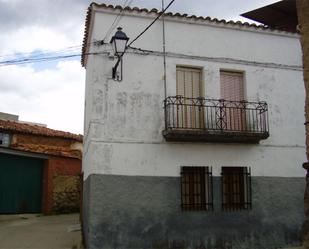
(54, 96)
(32, 38)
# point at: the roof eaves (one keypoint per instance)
(168, 14)
(22, 128)
(86, 33)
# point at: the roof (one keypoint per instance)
(280, 15)
(17, 127)
(118, 8)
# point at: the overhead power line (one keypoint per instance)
(44, 59)
(44, 56)
(151, 23)
(34, 54)
(117, 18)
(42, 52)
(33, 60)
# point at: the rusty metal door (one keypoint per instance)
(232, 89)
(189, 89)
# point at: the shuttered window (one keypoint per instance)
(189, 88)
(189, 82)
(232, 86)
(232, 89)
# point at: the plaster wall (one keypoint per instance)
(202, 38)
(124, 120)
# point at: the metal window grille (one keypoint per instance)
(196, 188)
(236, 188)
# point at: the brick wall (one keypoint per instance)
(47, 145)
(61, 185)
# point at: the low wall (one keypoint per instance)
(61, 185)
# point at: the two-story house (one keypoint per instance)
(199, 146)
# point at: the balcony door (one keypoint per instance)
(189, 89)
(232, 89)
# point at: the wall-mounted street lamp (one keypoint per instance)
(119, 42)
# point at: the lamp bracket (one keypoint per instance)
(117, 74)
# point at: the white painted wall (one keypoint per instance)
(124, 120)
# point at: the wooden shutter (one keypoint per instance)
(188, 82)
(232, 86)
(232, 89)
(189, 86)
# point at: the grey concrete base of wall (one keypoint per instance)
(141, 212)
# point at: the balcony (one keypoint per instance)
(215, 120)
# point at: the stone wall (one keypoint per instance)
(66, 194)
(62, 185)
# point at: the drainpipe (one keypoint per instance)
(164, 55)
(164, 65)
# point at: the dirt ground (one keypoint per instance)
(43, 232)
(40, 232)
(295, 248)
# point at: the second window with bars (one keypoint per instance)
(236, 188)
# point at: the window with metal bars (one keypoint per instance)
(196, 188)
(236, 188)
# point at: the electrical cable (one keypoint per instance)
(42, 52)
(117, 18)
(162, 12)
(44, 59)
(70, 48)
(32, 57)
(19, 58)
(25, 61)
(113, 23)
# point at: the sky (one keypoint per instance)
(52, 92)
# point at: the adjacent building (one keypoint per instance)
(201, 153)
(40, 168)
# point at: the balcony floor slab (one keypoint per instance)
(213, 136)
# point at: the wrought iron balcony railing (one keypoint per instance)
(215, 120)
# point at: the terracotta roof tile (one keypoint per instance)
(169, 14)
(17, 127)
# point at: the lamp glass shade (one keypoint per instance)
(120, 46)
(119, 42)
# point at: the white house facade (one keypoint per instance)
(207, 155)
